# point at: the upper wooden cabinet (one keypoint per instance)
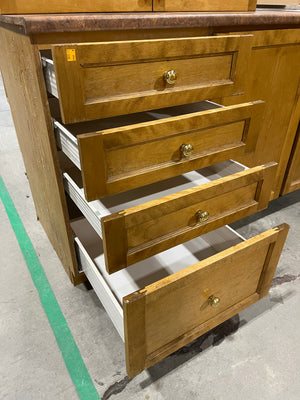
(69, 6)
(204, 5)
(278, 2)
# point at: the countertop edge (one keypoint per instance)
(54, 23)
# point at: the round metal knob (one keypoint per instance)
(170, 77)
(214, 301)
(187, 150)
(202, 216)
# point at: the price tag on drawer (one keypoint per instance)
(71, 54)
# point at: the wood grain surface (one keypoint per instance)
(24, 83)
(274, 77)
(69, 6)
(140, 232)
(172, 312)
(116, 78)
(119, 159)
(292, 179)
(204, 5)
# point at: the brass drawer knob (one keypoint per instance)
(186, 150)
(214, 301)
(202, 216)
(170, 77)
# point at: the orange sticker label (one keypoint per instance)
(71, 54)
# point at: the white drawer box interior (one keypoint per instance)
(66, 134)
(97, 209)
(112, 288)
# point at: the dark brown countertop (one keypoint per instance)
(42, 23)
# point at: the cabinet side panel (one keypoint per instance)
(22, 74)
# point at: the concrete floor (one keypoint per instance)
(255, 355)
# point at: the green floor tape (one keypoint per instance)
(71, 355)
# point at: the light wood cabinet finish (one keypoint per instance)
(24, 83)
(292, 181)
(93, 82)
(140, 232)
(119, 159)
(278, 2)
(170, 313)
(204, 5)
(274, 77)
(69, 6)
(99, 80)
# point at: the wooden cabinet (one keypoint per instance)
(153, 187)
(204, 5)
(278, 2)
(69, 6)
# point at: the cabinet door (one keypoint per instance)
(274, 77)
(292, 181)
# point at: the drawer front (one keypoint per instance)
(137, 233)
(117, 160)
(170, 313)
(101, 80)
(204, 5)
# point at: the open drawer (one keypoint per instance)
(99, 80)
(165, 302)
(122, 153)
(142, 222)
